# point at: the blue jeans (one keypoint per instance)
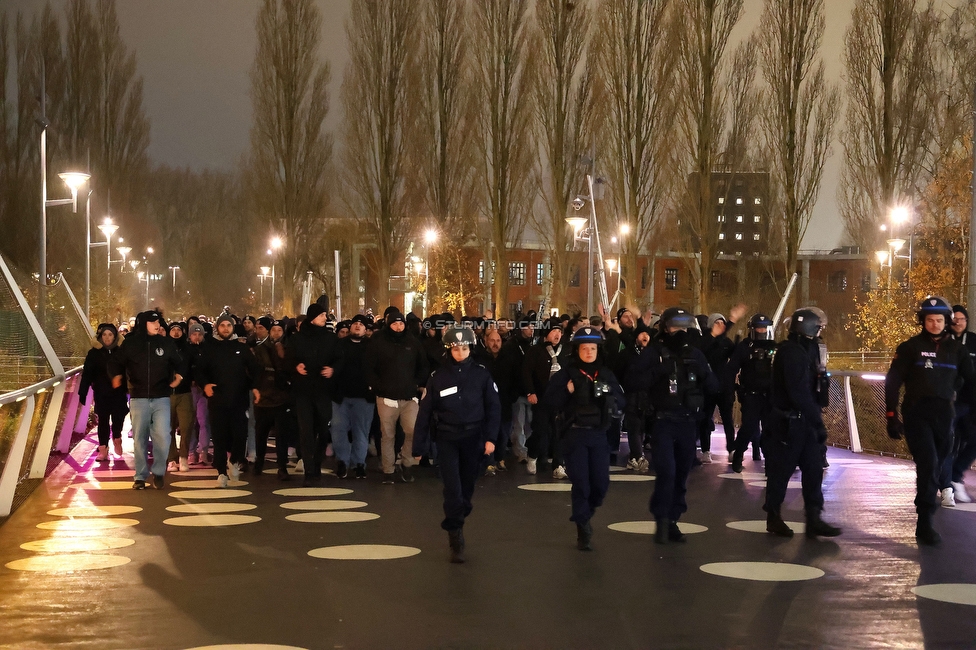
(150, 419)
(353, 415)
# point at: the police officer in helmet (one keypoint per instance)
(677, 377)
(460, 412)
(931, 366)
(585, 396)
(797, 434)
(752, 361)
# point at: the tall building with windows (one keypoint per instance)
(739, 210)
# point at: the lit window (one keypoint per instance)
(758, 201)
(738, 253)
(738, 218)
(516, 274)
(738, 201)
(756, 219)
(721, 235)
(540, 270)
(721, 218)
(738, 236)
(755, 237)
(721, 200)
(670, 279)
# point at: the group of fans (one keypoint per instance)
(476, 396)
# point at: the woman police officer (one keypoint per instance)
(460, 411)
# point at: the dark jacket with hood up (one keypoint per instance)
(148, 362)
(95, 373)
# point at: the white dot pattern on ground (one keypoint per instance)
(102, 485)
(84, 525)
(312, 492)
(247, 646)
(107, 473)
(324, 504)
(763, 571)
(196, 472)
(364, 552)
(744, 476)
(631, 478)
(546, 487)
(210, 508)
(617, 468)
(205, 484)
(759, 526)
(963, 507)
(219, 493)
(205, 521)
(790, 484)
(956, 593)
(334, 517)
(77, 544)
(93, 511)
(851, 461)
(650, 527)
(67, 563)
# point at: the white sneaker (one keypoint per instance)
(632, 464)
(948, 500)
(959, 493)
(643, 466)
(102, 453)
(491, 470)
(300, 467)
(530, 465)
(706, 458)
(223, 481)
(184, 465)
(235, 471)
(172, 466)
(559, 472)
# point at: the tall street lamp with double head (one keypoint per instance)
(276, 244)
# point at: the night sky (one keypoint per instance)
(195, 56)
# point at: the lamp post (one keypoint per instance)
(265, 273)
(174, 269)
(108, 229)
(430, 238)
(276, 244)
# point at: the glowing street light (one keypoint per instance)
(900, 214)
(625, 229)
(108, 229)
(430, 236)
(882, 257)
(577, 224)
(276, 244)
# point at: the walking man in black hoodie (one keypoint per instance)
(352, 403)
(110, 402)
(153, 367)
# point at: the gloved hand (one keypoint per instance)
(895, 428)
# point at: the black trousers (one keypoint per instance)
(543, 442)
(588, 465)
(228, 431)
(964, 448)
(267, 418)
(724, 402)
(111, 412)
(928, 432)
(314, 411)
(755, 408)
(636, 424)
(460, 463)
(792, 443)
(673, 453)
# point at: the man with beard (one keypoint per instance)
(506, 378)
(272, 384)
(542, 362)
(352, 404)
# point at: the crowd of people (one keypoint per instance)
(480, 396)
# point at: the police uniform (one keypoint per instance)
(931, 368)
(582, 420)
(460, 412)
(677, 378)
(796, 433)
(752, 361)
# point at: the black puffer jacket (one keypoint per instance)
(95, 373)
(396, 365)
(317, 348)
(233, 370)
(148, 362)
(351, 377)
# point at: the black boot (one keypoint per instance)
(584, 534)
(661, 532)
(817, 527)
(924, 533)
(456, 540)
(776, 525)
(675, 534)
(737, 461)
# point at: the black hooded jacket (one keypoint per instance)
(95, 373)
(232, 368)
(316, 347)
(148, 362)
(396, 365)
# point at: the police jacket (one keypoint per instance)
(95, 375)
(537, 366)
(596, 396)
(504, 375)
(929, 367)
(752, 361)
(461, 401)
(316, 348)
(149, 364)
(232, 368)
(675, 375)
(795, 380)
(350, 379)
(272, 379)
(395, 365)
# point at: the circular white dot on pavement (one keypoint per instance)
(338, 517)
(206, 521)
(364, 552)
(763, 571)
(247, 646)
(210, 508)
(790, 484)
(956, 593)
(324, 504)
(108, 473)
(67, 563)
(850, 461)
(77, 544)
(94, 511)
(546, 487)
(312, 492)
(102, 485)
(205, 485)
(219, 493)
(744, 476)
(196, 472)
(294, 472)
(617, 468)
(93, 525)
(632, 478)
(759, 526)
(964, 507)
(650, 527)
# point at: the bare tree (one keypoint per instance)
(374, 95)
(290, 150)
(888, 54)
(638, 64)
(799, 110)
(504, 70)
(703, 120)
(565, 108)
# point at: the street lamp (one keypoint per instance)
(430, 238)
(174, 269)
(265, 273)
(276, 244)
(108, 229)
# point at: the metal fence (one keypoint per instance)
(855, 418)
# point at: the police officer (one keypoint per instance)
(460, 412)
(585, 396)
(931, 366)
(752, 361)
(796, 432)
(677, 378)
